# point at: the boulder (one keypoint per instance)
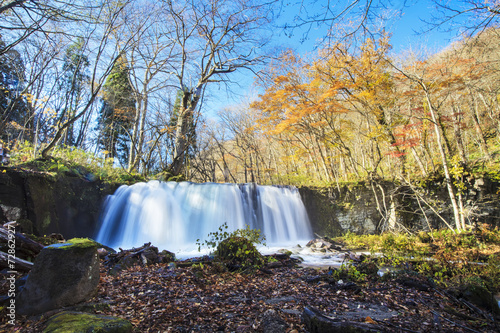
(315, 321)
(62, 275)
(79, 322)
(273, 323)
(481, 297)
(322, 245)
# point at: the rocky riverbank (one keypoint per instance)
(281, 297)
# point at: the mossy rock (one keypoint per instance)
(79, 322)
(479, 295)
(62, 274)
(75, 243)
(239, 251)
(368, 267)
(167, 256)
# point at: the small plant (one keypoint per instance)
(216, 237)
(237, 248)
(239, 252)
(272, 259)
(348, 271)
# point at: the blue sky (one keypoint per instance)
(407, 31)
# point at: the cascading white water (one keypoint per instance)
(173, 216)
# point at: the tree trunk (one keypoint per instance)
(28, 245)
(479, 130)
(135, 134)
(189, 102)
(449, 183)
(134, 161)
(13, 263)
(316, 321)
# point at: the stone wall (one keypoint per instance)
(44, 204)
(373, 207)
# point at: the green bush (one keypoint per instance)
(239, 251)
(237, 248)
(348, 272)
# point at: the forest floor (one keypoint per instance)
(159, 298)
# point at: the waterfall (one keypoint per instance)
(173, 216)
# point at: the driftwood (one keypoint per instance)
(23, 244)
(19, 247)
(317, 322)
(12, 263)
(144, 255)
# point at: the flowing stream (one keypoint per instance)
(173, 216)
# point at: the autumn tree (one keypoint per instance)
(337, 109)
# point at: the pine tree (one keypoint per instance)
(13, 105)
(75, 68)
(117, 112)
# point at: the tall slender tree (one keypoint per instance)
(75, 80)
(117, 112)
(13, 107)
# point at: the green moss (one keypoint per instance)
(44, 240)
(78, 322)
(81, 243)
(46, 221)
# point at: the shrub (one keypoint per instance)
(239, 251)
(236, 249)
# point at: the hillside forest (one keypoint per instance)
(125, 84)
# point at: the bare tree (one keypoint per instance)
(465, 16)
(212, 40)
(104, 51)
(150, 56)
(20, 19)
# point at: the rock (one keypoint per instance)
(62, 275)
(316, 322)
(79, 322)
(102, 252)
(368, 267)
(321, 245)
(413, 283)
(481, 297)
(274, 264)
(58, 237)
(285, 252)
(273, 323)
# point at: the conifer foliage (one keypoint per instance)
(117, 112)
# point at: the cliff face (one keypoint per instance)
(71, 204)
(44, 204)
(372, 207)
